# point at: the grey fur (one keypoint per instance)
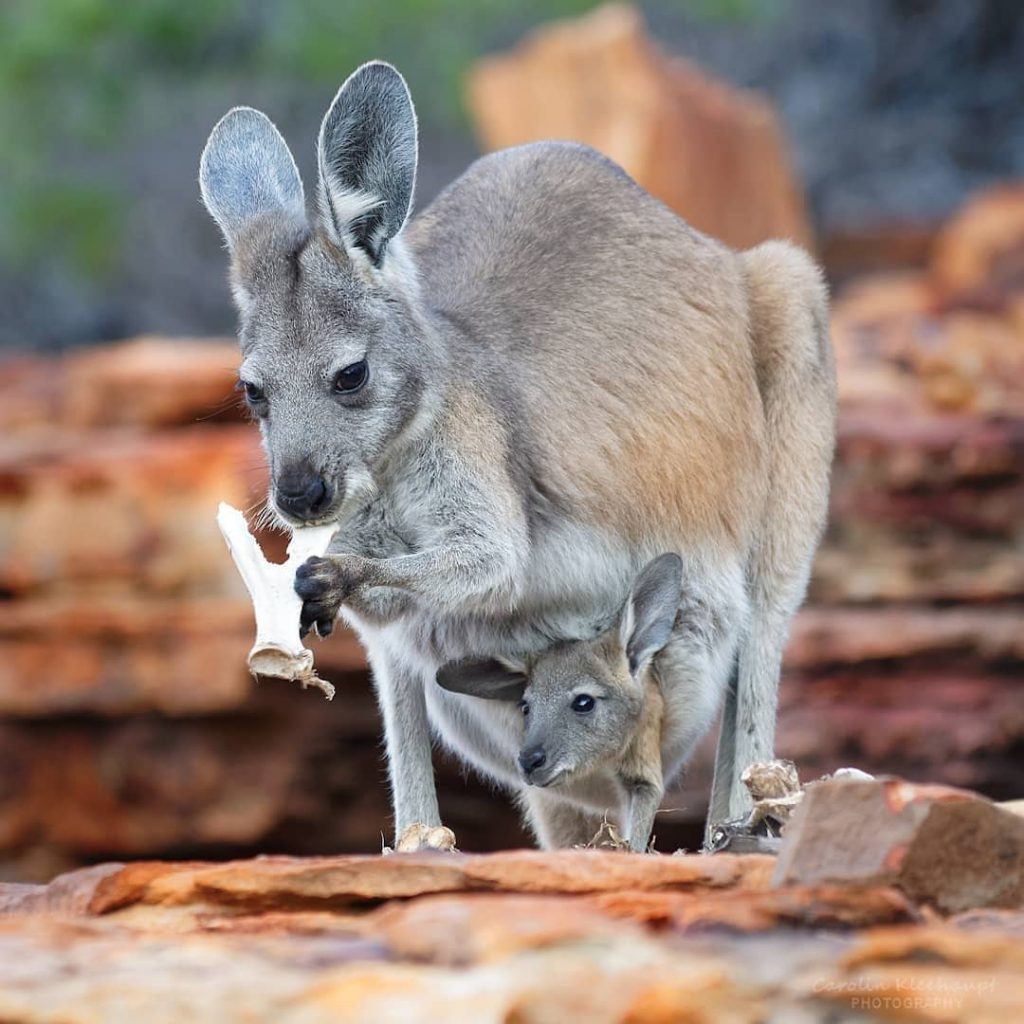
(651, 610)
(247, 173)
(565, 380)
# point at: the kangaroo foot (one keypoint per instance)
(424, 837)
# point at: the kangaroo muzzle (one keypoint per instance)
(302, 494)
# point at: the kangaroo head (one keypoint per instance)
(336, 362)
(582, 699)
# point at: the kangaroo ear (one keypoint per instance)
(650, 612)
(247, 173)
(367, 157)
(484, 677)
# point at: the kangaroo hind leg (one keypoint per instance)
(796, 377)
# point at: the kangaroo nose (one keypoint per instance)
(301, 494)
(531, 759)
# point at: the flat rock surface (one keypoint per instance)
(518, 936)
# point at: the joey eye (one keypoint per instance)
(254, 394)
(583, 703)
(350, 378)
(524, 707)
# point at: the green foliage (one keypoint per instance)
(736, 10)
(79, 220)
(67, 71)
(432, 40)
(70, 70)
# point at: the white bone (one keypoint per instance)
(278, 650)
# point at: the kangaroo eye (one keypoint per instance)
(254, 394)
(524, 707)
(583, 703)
(351, 378)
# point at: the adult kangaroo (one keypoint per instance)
(511, 405)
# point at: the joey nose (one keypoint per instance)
(301, 494)
(531, 759)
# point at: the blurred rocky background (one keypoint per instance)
(886, 135)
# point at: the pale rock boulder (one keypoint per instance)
(713, 153)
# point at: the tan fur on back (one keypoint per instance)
(652, 414)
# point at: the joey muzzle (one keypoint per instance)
(533, 763)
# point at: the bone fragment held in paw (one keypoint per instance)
(278, 650)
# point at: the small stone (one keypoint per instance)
(771, 779)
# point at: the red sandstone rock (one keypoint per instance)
(908, 566)
(146, 785)
(87, 973)
(979, 253)
(282, 770)
(829, 636)
(148, 382)
(944, 847)
(930, 476)
(118, 513)
(897, 350)
(924, 508)
(159, 942)
(929, 974)
(152, 382)
(849, 251)
(123, 657)
(118, 656)
(959, 727)
(290, 882)
(823, 906)
(30, 386)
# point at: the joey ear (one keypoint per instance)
(247, 173)
(367, 157)
(650, 611)
(482, 677)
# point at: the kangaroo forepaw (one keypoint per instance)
(322, 589)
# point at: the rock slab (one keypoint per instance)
(943, 847)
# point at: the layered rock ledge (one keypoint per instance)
(520, 936)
